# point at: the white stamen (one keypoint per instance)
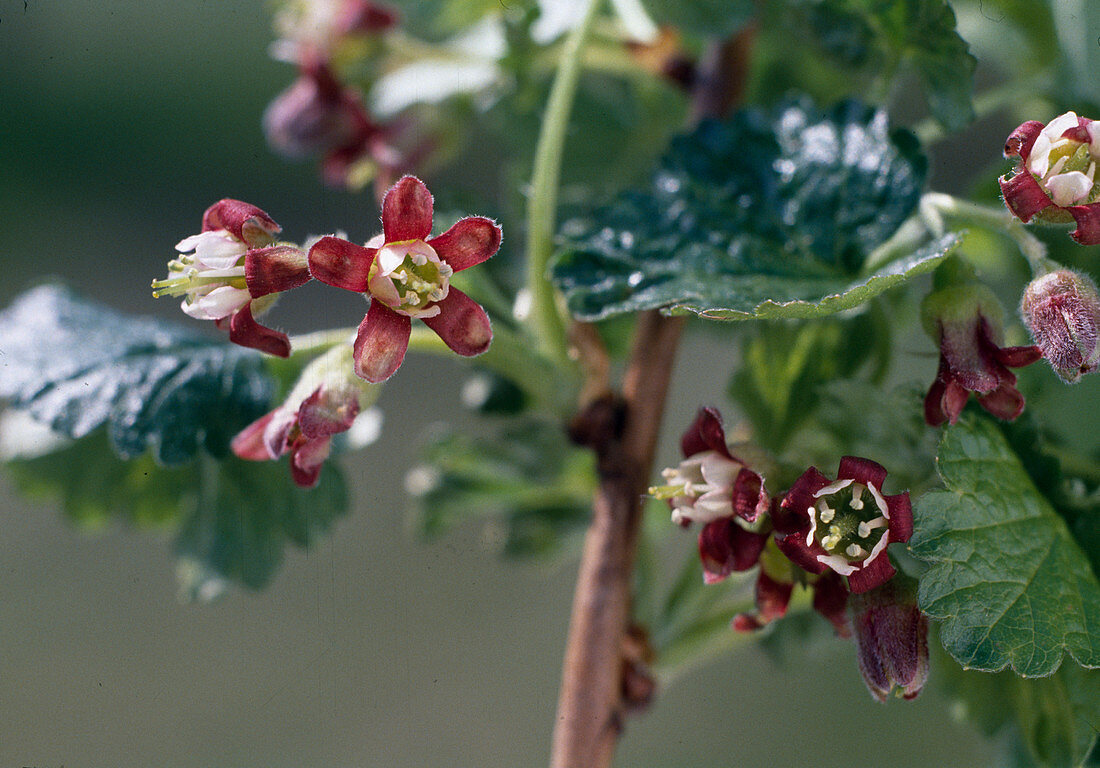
(857, 496)
(827, 512)
(865, 529)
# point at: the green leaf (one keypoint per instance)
(76, 365)
(761, 216)
(527, 481)
(235, 518)
(244, 518)
(705, 18)
(1006, 577)
(1056, 717)
(879, 35)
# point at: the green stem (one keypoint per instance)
(548, 324)
(995, 219)
(320, 341)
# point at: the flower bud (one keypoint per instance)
(892, 636)
(1062, 311)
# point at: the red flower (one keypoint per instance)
(850, 536)
(233, 270)
(407, 276)
(301, 427)
(1055, 177)
(965, 321)
(713, 487)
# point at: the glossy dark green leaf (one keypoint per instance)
(766, 215)
(1006, 577)
(525, 481)
(76, 365)
(879, 35)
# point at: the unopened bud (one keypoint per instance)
(892, 636)
(1062, 311)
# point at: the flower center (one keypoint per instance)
(410, 278)
(700, 487)
(849, 520)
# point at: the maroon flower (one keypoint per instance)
(1055, 174)
(715, 488)
(233, 271)
(407, 275)
(892, 635)
(844, 525)
(323, 403)
(965, 321)
(315, 114)
(1062, 311)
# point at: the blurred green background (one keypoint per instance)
(119, 123)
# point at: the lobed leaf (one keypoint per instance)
(763, 216)
(76, 365)
(1006, 577)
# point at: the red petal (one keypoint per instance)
(407, 211)
(790, 517)
(934, 413)
(1021, 140)
(335, 261)
(381, 343)
(1018, 357)
(1023, 195)
(306, 461)
(901, 517)
(274, 269)
(862, 471)
(245, 222)
(469, 242)
(804, 556)
(749, 498)
(870, 576)
(725, 547)
(705, 434)
(1088, 223)
(245, 331)
(1005, 402)
(249, 442)
(462, 324)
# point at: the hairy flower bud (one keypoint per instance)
(1062, 311)
(892, 635)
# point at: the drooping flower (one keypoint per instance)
(1055, 177)
(406, 274)
(892, 638)
(713, 487)
(843, 525)
(324, 402)
(233, 271)
(965, 320)
(1062, 311)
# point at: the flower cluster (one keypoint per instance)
(1055, 178)
(830, 536)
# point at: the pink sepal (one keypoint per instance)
(705, 434)
(381, 343)
(877, 572)
(726, 547)
(1018, 357)
(462, 324)
(469, 242)
(1088, 223)
(324, 414)
(245, 331)
(407, 211)
(274, 269)
(245, 222)
(306, 461)
(1023, 195)
(334, 261)
(1021, 140)
(249, 443)
(862, 471)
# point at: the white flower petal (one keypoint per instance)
(1068, 188)
(219, 303)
